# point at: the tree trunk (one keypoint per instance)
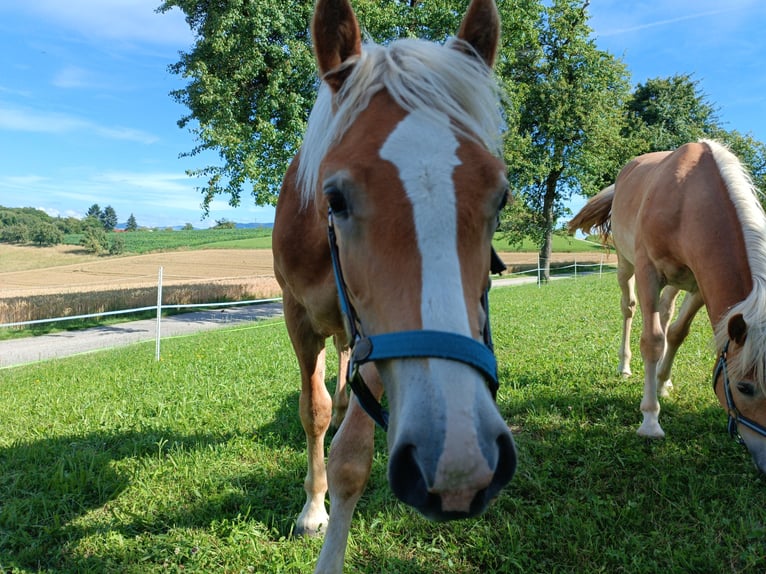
(548, 201)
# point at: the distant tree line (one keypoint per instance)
(27, 225)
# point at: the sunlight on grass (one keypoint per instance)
(112, 462)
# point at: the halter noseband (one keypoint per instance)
(408, 344)
(735, 417)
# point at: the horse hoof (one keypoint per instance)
(305, 532)
(651, 431)
(664, 388)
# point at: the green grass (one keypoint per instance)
(148, 241)
(260, 238)
(112, 462)
(560, 243)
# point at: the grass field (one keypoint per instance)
(112, 462)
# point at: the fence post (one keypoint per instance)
(159, 314)
(539, 277)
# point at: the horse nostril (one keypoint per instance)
(506, 464)
(406, 477)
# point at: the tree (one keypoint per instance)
(108, 218)
(46, 234)
(94, 211)
(569, 96)
(95, 240)
(117, 245)
(224, 224)
(665, 113)
(252, 81)
(15, 233)
(131, 224)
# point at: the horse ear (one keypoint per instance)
(737, 329)
(481, 29)
(337, 38)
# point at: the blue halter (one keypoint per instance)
(408, 344)
(735, 417)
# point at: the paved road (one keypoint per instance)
(32, 349)
(66, 343)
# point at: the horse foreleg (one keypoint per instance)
(652, 347)
(315, 412)
(626, 280)
(676, 334)
(349, 467)
(340, 397)
(667, 309)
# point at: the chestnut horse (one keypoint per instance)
(690, 220)
(382, 240)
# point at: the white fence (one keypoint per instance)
(159, 308)
(561, 271)
(537, 272)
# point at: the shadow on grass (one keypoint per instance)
(569, 439)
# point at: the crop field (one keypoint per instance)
(112, 462)
(213, 265)
(151, 241)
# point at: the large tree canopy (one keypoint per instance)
(572, 121)
(252, 81)
(569, 96)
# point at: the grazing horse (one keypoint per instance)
(690, 220)
(382, 241)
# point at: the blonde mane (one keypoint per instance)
(744, 195)
(438, 80)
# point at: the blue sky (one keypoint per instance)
(85, 115)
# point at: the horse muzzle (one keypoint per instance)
(450, 451)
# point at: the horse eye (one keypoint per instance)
(747, 389)
(504, 201)
(336, 201)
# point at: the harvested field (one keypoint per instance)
(41, 283)
(26, 271)
(103, 274)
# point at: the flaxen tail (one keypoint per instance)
(596, 214)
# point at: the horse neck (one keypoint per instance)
(724, 283)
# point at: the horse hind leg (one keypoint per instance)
(676, 333)
(667, 309)
(652, 347)
(340, 397)
(626, 280)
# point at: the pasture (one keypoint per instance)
(111, 462)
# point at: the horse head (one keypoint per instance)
(403, 151)
(738, 382)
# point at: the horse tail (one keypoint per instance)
(597, 214)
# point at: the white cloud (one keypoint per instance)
(125, 20)
(75, 77)
(27, 120)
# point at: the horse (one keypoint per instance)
(382, 242)
(690, 220)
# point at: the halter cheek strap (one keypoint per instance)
(408, 344)
(735, 417)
